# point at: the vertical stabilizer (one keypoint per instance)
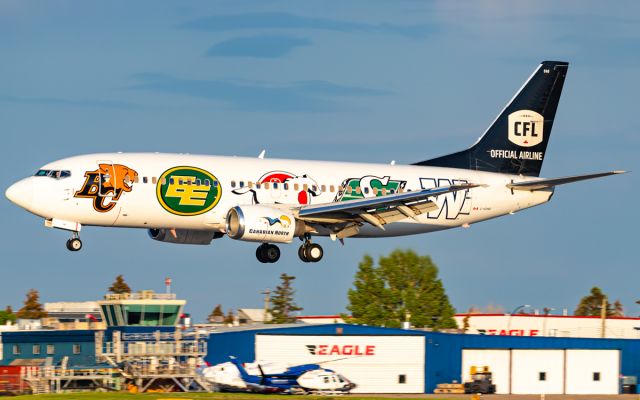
(516, 142)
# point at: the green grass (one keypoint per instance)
(185, 396)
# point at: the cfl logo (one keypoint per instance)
(526, 128)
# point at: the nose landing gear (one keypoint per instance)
(74, 244)
(268, 253)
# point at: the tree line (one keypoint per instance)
(402, 287)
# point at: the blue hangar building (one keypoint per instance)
(384, 360)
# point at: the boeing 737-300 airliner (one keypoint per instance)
(193, 199)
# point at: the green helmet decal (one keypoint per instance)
(188, 191)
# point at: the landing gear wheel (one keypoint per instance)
(74, 244)
(272, 253)
(313, 252)
(268, 253)
(301, 253)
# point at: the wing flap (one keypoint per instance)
(377, 211)
(549, 183)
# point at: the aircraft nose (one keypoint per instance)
(21, 193)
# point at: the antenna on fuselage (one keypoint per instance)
(262, 153)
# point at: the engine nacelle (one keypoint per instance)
(256, 223)
(183, 236)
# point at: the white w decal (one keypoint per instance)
(453, 204)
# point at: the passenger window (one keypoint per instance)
(285, 186)
(198, 182)
(392, 191)
(275, 185)
(127, 178)
(296, 186)
(136, 179)
(323, 188)
(375, 191)
(233, 184)
(314, 188)
(215, 183)
(366, 190)
(257, 185)
(266, 185)
(349, 189)
(384, 191)
(358, 190)
(154, 180)
(249, 184)
(144, 179)
(170, 181)
(241, 184)
(305, 187)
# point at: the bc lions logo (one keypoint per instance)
(284, 221)
(109, 180)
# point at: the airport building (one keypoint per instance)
(147, 345)
(550, 325)
(383, 360)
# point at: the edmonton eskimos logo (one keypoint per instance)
(188, 191)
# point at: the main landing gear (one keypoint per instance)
(268, 253)
(74, 244)
(310, 252)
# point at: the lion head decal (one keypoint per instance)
(117, 176)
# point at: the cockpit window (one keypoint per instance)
(54, 173)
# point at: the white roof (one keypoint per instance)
(72, 306)
(254, 314)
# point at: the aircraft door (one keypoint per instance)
(107, 179)
(110, 186)
(276, 190)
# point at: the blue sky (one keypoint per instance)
(369, 81)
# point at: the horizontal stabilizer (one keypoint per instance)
(548, 183)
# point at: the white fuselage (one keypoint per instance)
(143, 203)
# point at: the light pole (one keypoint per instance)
(515, 310)
(547, 311)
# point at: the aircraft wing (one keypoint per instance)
(548, 183)
(377, 211)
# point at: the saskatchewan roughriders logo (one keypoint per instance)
(188, 191)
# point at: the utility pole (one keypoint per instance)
(267, 301)
(603, 316)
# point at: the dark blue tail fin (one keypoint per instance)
(516, 141)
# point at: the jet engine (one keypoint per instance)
(183, 236)
(256, 223)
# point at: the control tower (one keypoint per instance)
(144, 308)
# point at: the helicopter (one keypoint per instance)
(270, 377)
